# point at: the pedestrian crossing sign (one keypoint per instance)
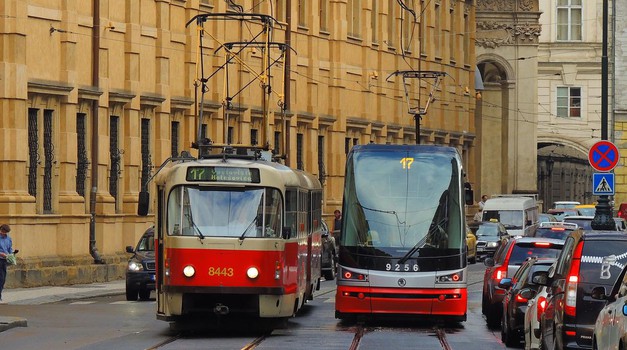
(603, 184)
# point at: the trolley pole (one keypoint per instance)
(603, 214)
(417, 119)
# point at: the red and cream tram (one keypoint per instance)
(238, 237)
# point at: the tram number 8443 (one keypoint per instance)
(402, 267)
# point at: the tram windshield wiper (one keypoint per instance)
(196, 229)
(241, 238)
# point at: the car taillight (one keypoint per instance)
(540, 306)
(521, 299)
(542, 244)
(500, 273)
(572, 282)
(558, 229)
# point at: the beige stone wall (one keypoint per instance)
(147, 62)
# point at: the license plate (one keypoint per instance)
(152, 277)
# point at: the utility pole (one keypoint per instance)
(603, 215)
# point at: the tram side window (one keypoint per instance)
(291, 210)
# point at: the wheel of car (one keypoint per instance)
(330, 273)
(131, 293)
(506, 332)
(492, 317)
(473, 260)
(144, 294)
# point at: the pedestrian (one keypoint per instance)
(337, 222)
(482, 203)
(6, 248)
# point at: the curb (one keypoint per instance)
(7, 322)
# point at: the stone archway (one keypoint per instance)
(563, 173)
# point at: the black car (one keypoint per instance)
(520, 289)
(589, 259)
(140, 272)
(490, 235)
(329, 254)
(557, 230)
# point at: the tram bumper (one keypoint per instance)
(389, 301)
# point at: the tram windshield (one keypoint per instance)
(225, 212)
(400, 202)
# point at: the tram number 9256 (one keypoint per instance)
(402, 267)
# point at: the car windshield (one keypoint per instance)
(146, 243)
(511, 219)
(487, 230)
(587, 211)
(521, 252)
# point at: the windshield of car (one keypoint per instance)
(587, 211)
(522, 251)
(487, 230)
(224, 212)
(511, 219)
(146, 243)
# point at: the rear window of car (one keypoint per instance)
(522, 251)
(584, 224)
(602, 261)
(556, 233)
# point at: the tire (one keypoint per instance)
(492, 316)
(506, 333)
(131, 293)
(330, 274)
(473, 260)
(144, 294)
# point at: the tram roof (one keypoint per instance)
(407, 148)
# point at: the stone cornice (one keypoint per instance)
(49, 88)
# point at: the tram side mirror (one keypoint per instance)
(286, 232)
(469, 196)
(143, 204)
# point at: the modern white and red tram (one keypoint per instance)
(403, 237)
(238, 237)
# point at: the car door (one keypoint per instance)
(615, 318)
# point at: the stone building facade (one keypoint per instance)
(95, 95)
(619, 40)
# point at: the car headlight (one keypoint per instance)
(135, 266)
(492, 244)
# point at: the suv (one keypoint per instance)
(490, 236)
(557, 230)
(140, 272)
(505, 263)
(589, 259)
(329, 253)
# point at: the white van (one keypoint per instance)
(518, 213)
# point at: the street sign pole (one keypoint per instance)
(603, 214)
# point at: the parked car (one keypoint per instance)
(520, 289)
(535, 310)
(329, 253)
(610, 328)
(589, 259)
(471, 246)
(557, 230)
(546, 217)
(490, 236)
(140, 272)
(505, 263)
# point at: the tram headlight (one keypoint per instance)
(450, 278)
(352, 276)
(189, 271)
(252, 272)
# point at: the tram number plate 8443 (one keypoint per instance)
(402, 267)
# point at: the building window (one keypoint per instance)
(33, 151)
(81, 153)
(353, 16)
(422, 37)
(115, 156)
(229, 135)
(321, 167)
(302, 13)
(569, 102)
(277, 142)
(254, 137)
(452, 35)
(408, 30)
(391, 24)
(145, 151)
(373, 21)
(466, 39)
(203, 131)
(438, 31)
(299, 152)
(174, 139)
(279, 14)
(48, 160)
(324, 10)
(569, 20)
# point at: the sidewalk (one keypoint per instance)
(44, 295)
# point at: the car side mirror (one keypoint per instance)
(130, 249)
(489, 262)
(540, 278)
(625, 310)
(505, 283)
(527, 293)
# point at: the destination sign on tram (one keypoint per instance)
(222, 174)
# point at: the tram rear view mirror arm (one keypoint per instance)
(143, 203)
(286, 232)
(469, 196)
